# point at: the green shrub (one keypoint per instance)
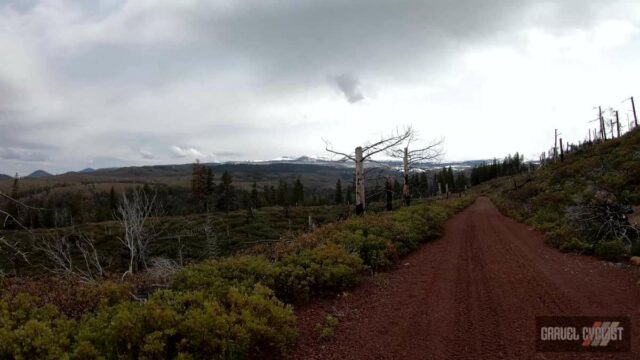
(327, 329)
(577, 246)
(635, 248)
(376, 252)
(194, 323)
(610, 250)
(216, 276)
(31, 331)
(327, 269)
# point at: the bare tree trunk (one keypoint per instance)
(561, 151)
(389, 194)
(635, 116)
(618, 122)
(360, 196)
(406, 190)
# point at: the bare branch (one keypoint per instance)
(132, 213)
(345, 157)
(387, 143)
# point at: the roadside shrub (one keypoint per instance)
(31, 331)
(71, 298)
(577, 246)
(376, 252)
(216, 276)
(192, 323)
(610, 250)
(635, 248)
(325, 270)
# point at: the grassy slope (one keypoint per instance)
(231, 308)
(234, 231)
(609, 170)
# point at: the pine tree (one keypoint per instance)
(12, 207)
(113, 200)
(338, 197)
(225, 192)
(283, 193)
(209, 186)
(255, 200)
(298, 193)
(199, 185)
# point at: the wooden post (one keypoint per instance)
(406, 191)
(603, 132)
(618, 122)
(555, 146)
(360, 199)
(633, 106)
(561, 151)
(389, 194)
(611, 125)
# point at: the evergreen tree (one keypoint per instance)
(255, 200)
(209, 185)
(298, 193)
(225, 192)
(338, 195)
(397, 188)
(113, 200)
(198, 185)
(12, 207)
(283, 193)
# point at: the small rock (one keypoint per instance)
(406, 264)
(635, 261)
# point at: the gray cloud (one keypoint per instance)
(84, 80)
(147, 155)
(349, 86)
(22, 154)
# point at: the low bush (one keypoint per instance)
(635, 248)
(216, 276)
(577, 246)
(610, 250)
(31, 331)
(325, 270)
(231, 308)
(190, 324)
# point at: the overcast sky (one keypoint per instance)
(109, 83)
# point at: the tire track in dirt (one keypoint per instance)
(472, 294)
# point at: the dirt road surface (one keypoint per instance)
(472, 294)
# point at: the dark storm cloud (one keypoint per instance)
(159, 80)
(22, 154)
(349, 86)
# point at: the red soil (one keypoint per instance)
(473, 294)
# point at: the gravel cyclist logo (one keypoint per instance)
(583, 333)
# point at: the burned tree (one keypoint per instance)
(365, 153)
(411, 157)
(133, 212)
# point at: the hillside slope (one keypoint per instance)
(588, 203)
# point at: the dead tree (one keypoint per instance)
(132, 213)
(633, 108)
(561, 151)
(411, 158)
(365, 153)
(73, 256)
(13, 249)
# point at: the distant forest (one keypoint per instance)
(215, 192)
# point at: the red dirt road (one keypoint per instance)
(473, 294)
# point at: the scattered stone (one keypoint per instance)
(406, 264)
(635, 261)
